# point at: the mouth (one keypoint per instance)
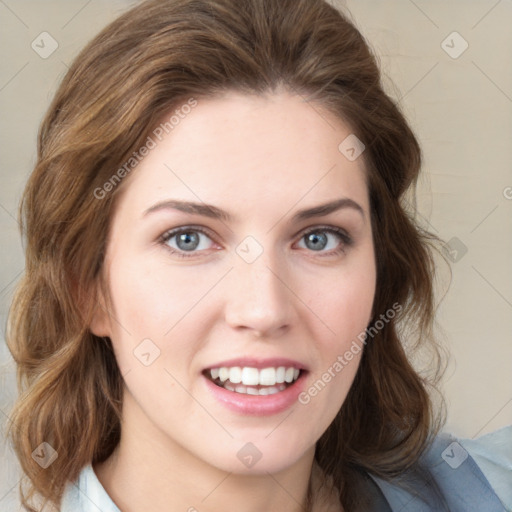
(254, 381)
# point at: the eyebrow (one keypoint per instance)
(208, 210)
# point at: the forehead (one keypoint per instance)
(247, 150)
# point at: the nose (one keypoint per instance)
(259, 300)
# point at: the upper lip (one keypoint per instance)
(259, 363)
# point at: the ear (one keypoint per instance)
(93, 307)
(99, 324)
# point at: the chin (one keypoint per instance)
(259, 457)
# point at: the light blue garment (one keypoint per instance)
(471, 475)
(493, 454)
(87, 495)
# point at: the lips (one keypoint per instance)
(252, 376)
(257, 398)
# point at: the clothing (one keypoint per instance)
(471, 476)
(462, 475)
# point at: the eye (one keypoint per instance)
(186, 240)
(326, 239)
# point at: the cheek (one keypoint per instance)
(160, 302)
(151, 297)
(344, 304)
(344, 301)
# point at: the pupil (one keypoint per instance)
(188, 241)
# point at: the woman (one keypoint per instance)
(221, 273)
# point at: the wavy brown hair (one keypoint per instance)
(143, 65)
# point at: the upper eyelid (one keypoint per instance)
(332, 229)
(174, 231)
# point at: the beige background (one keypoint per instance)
(460, 108)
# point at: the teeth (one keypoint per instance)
(280, 373)
(268, 377)
(248, 376)
(235, 375)
(288, 376)
(223, 374)
(253, 391)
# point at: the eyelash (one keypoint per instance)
(346, 240)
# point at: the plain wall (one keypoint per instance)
(460, 107)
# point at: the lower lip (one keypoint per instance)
(257, 405)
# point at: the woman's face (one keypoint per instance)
(223, 254)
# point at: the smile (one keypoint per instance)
(253, 381)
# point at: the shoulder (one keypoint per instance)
(493, 455)
(86, 494)
(457, 475)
